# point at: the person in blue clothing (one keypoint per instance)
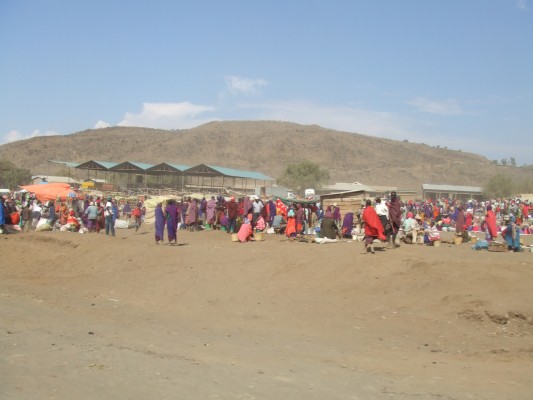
(512, 234)
(2, 215)
(116, 212)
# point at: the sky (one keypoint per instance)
(448, 73)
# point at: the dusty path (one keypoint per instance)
(85, 317)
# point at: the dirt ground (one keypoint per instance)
(95, 317)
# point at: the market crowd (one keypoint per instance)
(383, 219)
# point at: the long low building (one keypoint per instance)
(131, 174)
(454, 192)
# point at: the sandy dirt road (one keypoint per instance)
(95, 317)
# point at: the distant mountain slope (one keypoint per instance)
(264, 146)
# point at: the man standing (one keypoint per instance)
(395, 217)
(108, 213)
(233, 212)
(383, 213)
(257, 207)
(92, 216)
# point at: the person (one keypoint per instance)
(260, 224)
(25, 216)
(291, 229)
(300, 218)
(126, 210)
(63, 213)
(278, 223)
(271, 206)
(100, 221)
(116, 212)
(373, 227)
(2, 215)
(52, 216)
(328, 226)
(210, 209)
(159, 222)
(431, 234)
(171, 213)
(347, 225)
(73, 224)
(202, 212)
(108, 214)
(233, 212)
(192, 214)
(383, 213)
(245, 231)
(490, 222)
(395, 217)
(512, 234)
(460, 224)
(411, 227)
(92, 215)
(526, 208)
(257, 208)
(136, 213)
(247, 207)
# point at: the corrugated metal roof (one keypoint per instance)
(222, 170)
(130, 166)
(240, 174)
(452, 188)
(179, 166)
(141, 165)
(106, 164)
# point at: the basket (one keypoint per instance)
(436, 243)
(234, 237)
(498, 247)
(259, 236)
(458, 240)
(473, 239)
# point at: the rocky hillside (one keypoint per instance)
(267, 147)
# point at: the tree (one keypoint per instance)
(499, 185)
(11, 177)
(512, 161)
(304, 175)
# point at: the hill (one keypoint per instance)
(268, 147)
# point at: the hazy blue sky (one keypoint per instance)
(454, 73)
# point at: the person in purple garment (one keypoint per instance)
(159, 223)
(171, 213)
(210, 211)
(347, 225)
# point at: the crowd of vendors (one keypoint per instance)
(387, 220)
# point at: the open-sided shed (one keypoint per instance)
(217, 178)
(169, 174)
